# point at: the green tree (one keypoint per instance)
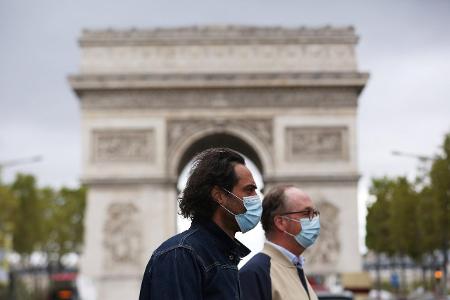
(64, 221)
(428, 236)
(440, 190)
(403, 223)
(378, 231)
(8, 211)
(402, 217)
(42, 219)
(28, 225)
(412, 219)
(45, 219)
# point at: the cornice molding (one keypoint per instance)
(83, 82)
(90, 181)
(314, 179)
(218, 35)
(295, 179)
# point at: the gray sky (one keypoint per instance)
(405, 45)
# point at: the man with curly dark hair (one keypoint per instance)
(201, 263)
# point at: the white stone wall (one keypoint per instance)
(347, 257)
(124, 225)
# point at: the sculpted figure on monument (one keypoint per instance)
(326, 252)
(122, 236)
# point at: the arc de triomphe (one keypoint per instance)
(150, 99)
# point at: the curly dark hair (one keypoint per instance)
(274, 202)
(212, 167)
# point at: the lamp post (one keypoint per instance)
(422, 158)
(15, 162)
(445, 242)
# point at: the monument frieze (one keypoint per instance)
(123, 145)
(316, 143)
(220, 98)
(218, 49)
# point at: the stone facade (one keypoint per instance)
(150, 99)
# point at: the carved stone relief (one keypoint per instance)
(237, 48)
(122, 239)
(230, 57)
(221, 98)
(316, 143)
(123, 145)
(326, 250)
(179, 130)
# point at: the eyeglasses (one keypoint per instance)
(307, 213)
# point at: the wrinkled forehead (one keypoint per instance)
(297, 200)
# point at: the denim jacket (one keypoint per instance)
(199, 263)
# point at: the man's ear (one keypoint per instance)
(217, 195)
(278, 221)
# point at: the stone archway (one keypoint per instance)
(150, 99)
(217, 134)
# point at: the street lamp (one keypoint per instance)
(20, 161)
(413, 155)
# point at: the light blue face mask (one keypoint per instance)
(249, 219)
(309, 233)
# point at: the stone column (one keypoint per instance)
(131, 204)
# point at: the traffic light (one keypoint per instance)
(438, 275)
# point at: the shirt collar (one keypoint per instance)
(224, 242)
(298, 261)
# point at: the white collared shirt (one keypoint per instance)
(296, 260)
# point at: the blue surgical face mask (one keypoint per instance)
(309, 232)
(249, 219)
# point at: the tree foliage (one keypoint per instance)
(428, 233)
(8, 211)
(43, 219)
(403, 220)
(440, 191)
(412, 218)
(64, 225)
(28, 227)
(378, 215)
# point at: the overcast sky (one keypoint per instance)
(404, 45)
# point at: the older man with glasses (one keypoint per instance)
(291, 225)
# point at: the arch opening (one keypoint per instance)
(220, 140)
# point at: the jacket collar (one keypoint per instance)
(223, 241)
(296, 260)
(277, 256)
